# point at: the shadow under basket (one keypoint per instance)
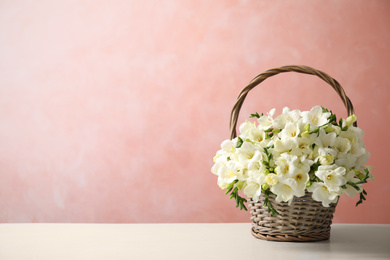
(303, 220)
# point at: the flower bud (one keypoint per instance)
(360, 175)
(240, 184)
(308, 184)
(351, 120)
(307, 128)
(329, 129)
(265, 186)
(305, 134)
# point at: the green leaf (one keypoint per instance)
(228, 190)
(341, 122)
(366, 176)
(332, 119)
(362, 198)
(239, 200)
(255, 115)
(314, 167)
(353, 185)
(268, 204)
(239, 142)
(243, 206)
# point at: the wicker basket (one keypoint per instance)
(304, 219)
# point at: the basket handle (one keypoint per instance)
(269, 73)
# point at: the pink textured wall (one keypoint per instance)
(111, 111)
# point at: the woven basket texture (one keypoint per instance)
(304, 219)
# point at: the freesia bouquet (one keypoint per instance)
(292, 154)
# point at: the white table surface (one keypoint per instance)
(183, 241)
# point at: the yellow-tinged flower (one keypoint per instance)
(326, 159)
(271, 179)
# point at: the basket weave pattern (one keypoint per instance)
(304, 219)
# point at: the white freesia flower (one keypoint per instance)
(355, 137)
(301, 177)
(291, 130)
(306, 162)
(216, 167)
(286, 164)
(266, 122)
(253, 190)
(357, 149)
(325, 142)
(282, 146)
(255, 176)
(250, 131)
(332, 176)
(258, 135)
(285, 190)
(315, 116)
(225, 176)
(342, 145)
(228, 146)
(246, 127)
(246, 152)
(301, 146)
(346, 160)
(287, 116)
(322, 194)
(363, 159)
